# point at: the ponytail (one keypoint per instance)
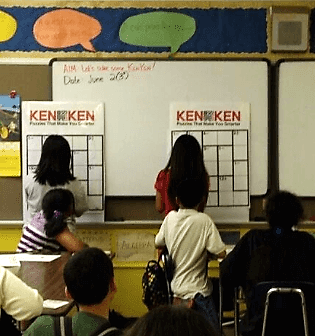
(55, 224)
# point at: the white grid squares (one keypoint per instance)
(226, 160)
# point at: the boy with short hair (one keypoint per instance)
(89, 279)
(190, 236)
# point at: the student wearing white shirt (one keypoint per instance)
(190, 236)
(18, 299)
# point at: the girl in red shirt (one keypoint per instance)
(186, 161)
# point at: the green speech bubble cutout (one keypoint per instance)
(158, 29)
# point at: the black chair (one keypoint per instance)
(235, 308)
(280, 308)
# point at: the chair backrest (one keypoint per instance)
(283, 303)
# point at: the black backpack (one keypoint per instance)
(156, 281)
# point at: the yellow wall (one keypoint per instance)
(128, 300)
(128, 275)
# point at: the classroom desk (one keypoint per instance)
(47, 278)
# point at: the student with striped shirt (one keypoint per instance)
(48, 229)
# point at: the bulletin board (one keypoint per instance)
(296, 126)
(31, 82)
(137, 96)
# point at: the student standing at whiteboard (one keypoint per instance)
(53, 171)
(186, 161)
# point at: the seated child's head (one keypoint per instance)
(284, 209)
(57, 205)
(58, 199)
(172, 320)
(190, 192)
(89, 275)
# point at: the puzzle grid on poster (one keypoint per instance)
(87, 162)
(225, 155)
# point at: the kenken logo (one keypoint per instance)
(61, 115)
(192, 116)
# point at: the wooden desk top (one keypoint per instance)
(47, 278)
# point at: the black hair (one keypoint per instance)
(190, 192)
(56, 202)
(54, 166)
(186, 161)
(284, 210)
(172, 320)
(87, 275)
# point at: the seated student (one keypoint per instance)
(276, 254)
(17, 300)
(189, 236)
(89, 279)
(172, 320)
(48, 229)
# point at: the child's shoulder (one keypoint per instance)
(163, 174)
(29, 180)
(195, 215)
(162, 179)
(203, 220)
(38, 221)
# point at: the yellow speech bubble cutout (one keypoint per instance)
(158, 29)
(63, 28)
(8, 26)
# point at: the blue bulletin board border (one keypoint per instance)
(218, 30)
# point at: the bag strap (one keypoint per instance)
(104, 332)
(62, 326)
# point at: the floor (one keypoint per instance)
(228, 331)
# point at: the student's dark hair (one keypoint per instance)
(283, 210)
(54, 164)
(190, 192)
(55, 204)
(87, 275)
(186, 161)
(171, 320)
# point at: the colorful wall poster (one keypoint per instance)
(10, 135)
(89, 29)
(82, 124)
(223, 132)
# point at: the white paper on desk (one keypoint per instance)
(54, 304)
(37, 257)
(9, 260)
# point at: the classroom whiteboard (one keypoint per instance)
(297, 127)
(137, 97)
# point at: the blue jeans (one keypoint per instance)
(205, 305)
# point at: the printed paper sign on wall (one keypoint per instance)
(10, 135)
(82, 124)
(222, 130)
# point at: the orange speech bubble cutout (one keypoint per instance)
(66, 27)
